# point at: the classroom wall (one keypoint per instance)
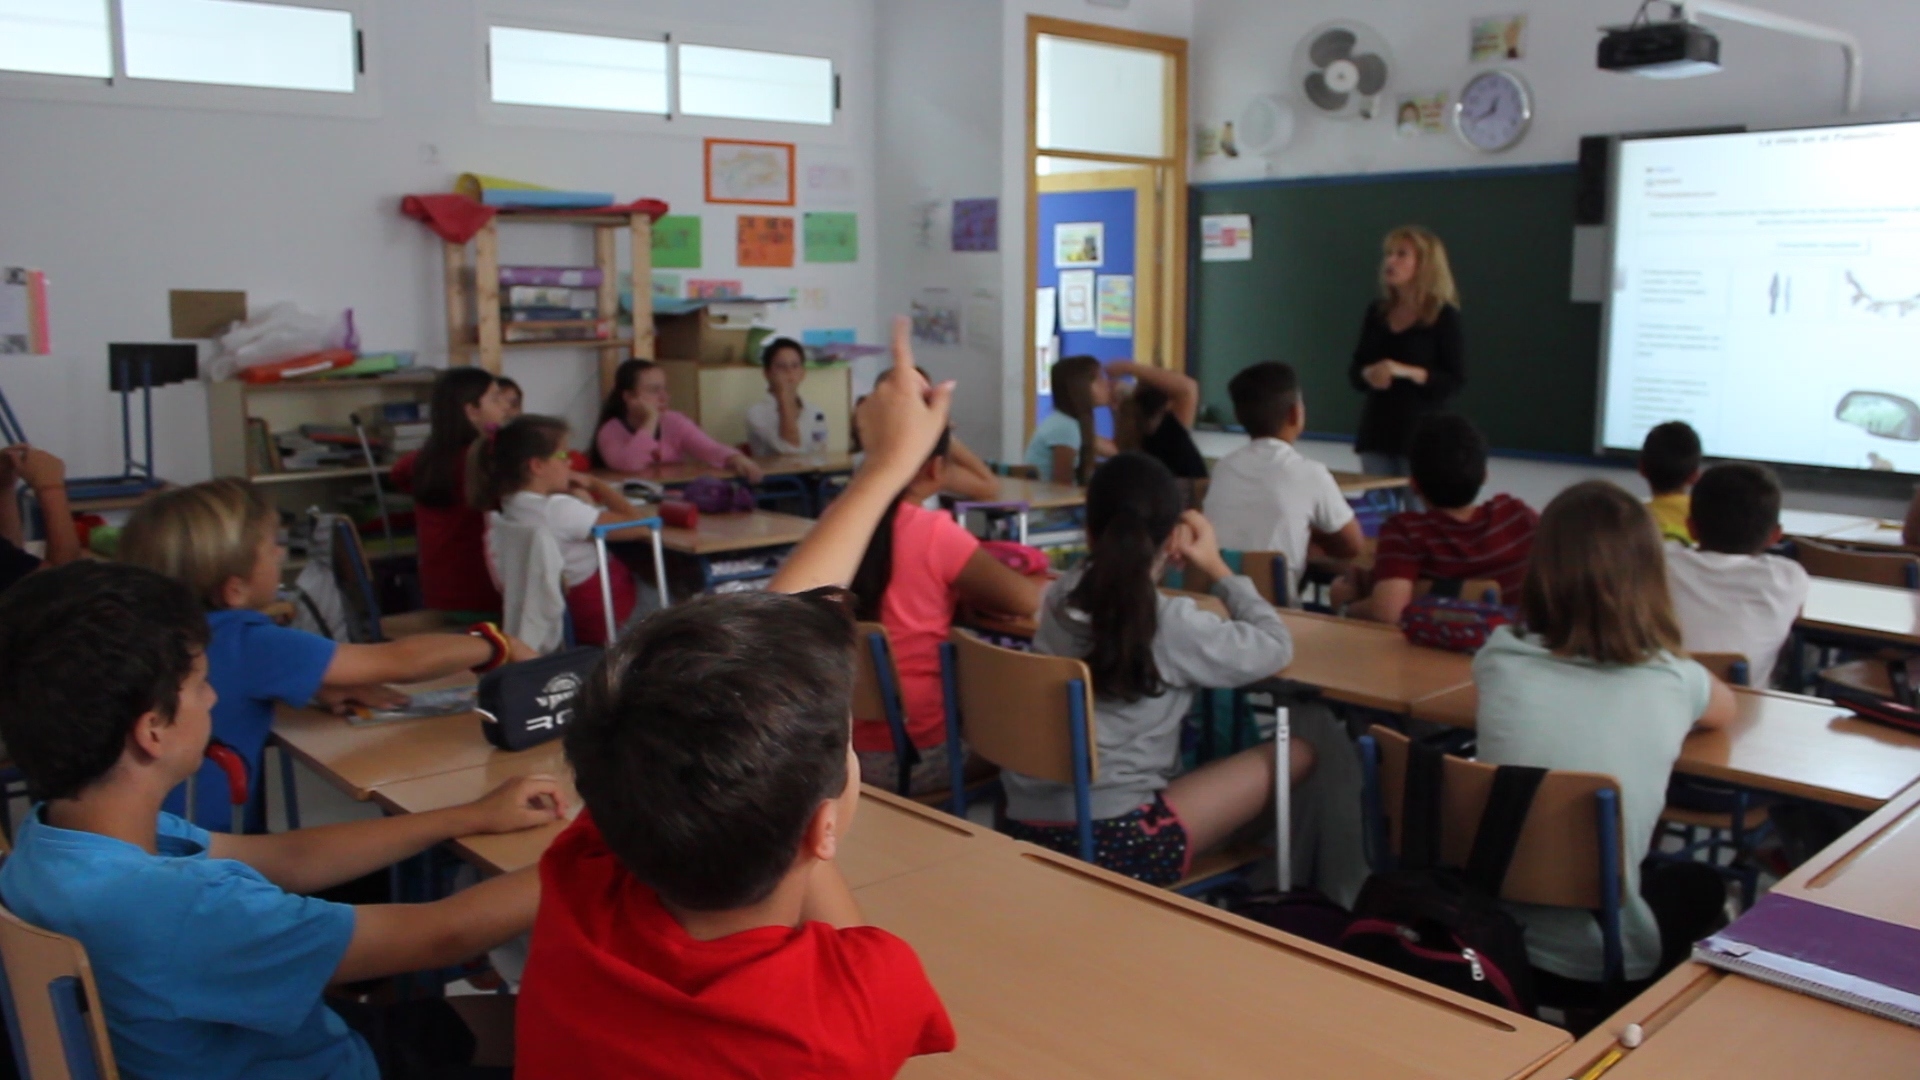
(1245, 47)
(119, 203)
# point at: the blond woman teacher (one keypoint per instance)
(1411, 359)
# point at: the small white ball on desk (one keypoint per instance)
(1631, 1037)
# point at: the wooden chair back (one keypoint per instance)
(1479, 590)
(1729, 667)
(1557, 861)
(1014, 708)
(869, 695)
(1891, 569)
(53, 1007)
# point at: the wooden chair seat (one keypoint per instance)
(1221, 860)
(1719, 820)
(1893, 570)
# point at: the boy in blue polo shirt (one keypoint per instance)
(209, 963)
(220, 538)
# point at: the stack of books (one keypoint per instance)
(551, 303)
(402, 426)
(325, 446)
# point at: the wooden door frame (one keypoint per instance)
(1172, 287)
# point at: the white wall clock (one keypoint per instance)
(1493, 110)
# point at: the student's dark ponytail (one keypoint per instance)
(501, 460)
(1133, 505)
(869, 585)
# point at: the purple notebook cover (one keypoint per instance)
(582, 277)
(1841, 941)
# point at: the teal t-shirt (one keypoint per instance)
(207, 970)
(1624, 721)
(1058, 429)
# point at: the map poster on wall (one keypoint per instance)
(765, 241)
(759, 173)
(1079, 244)
(1114, 306)
(1076, 301)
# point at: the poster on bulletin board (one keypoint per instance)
(1079, 244)
(1113, 314)
(1076, 301)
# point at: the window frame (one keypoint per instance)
(833, 71)
(529, 15)
(122, 89)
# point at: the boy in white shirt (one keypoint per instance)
(1729, 594)
(781, 422)
(1267, 496)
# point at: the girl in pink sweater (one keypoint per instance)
(638, 431)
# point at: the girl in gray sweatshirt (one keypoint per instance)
(1148, 653)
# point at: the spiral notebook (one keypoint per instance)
(1838, 956)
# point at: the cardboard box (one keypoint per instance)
(717, 333)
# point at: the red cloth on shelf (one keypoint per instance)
(457, 218)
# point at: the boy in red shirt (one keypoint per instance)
(1453, 539)
(693, 922)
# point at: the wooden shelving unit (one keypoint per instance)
(473, 290)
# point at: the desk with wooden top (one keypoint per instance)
(1353, 483)
(1053, 968)
(1874, 533)
(1819, 525)
(1873, 870)
(1851, 610)
(1369, 664)
(1801, 746)
(360, 758)
(686, 472)
(719, 536)
(1699, 1022)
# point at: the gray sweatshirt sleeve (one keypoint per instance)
(1198, 648)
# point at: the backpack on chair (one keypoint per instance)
(1445, 925)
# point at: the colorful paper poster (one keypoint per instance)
(676, 242)
(820, 339)
(1226, 237)
(749, 172)
(1420, 114)
(936, 317)
(666, 286)
(832, 237)
(981, 329)
(711, 289)
(1498, 37)
(1114, 306)
(1079, 243)
(1076, 301)
(765, 241)
(1044, 354)
(976, 224)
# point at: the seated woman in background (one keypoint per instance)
(637, 431)
(1064, 448)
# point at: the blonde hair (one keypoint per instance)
(205, 535)
(1432, 287)
(1597, 580)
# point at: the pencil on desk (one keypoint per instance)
(1606, 1062)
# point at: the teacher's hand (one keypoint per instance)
(1415, 375)
(1378, 374)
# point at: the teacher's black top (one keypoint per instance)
(1388, 418)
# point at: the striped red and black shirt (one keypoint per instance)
(1492, 544)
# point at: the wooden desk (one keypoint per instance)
(1369, 664)
(1876, 534)
(359, 759)
(1850, 609)
(1040, 494)
(1873, 870)
(1801, 746)
(506, 851)
(1353, 483)
(1052, 968)
(1698, 1022)
(1817, 525)
(717, 534)
(686, 472)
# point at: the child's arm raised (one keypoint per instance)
(1183, 394)
(309, 860)
(415, 659)
(899, 424)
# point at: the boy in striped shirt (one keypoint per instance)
(1454, 538)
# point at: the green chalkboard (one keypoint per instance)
(1531, 353)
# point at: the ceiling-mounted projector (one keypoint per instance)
(1679, 46)
(1665, 50)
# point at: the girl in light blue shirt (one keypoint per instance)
(1064, 447)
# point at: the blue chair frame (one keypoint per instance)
(904, 754)
(1080, 752)
(1380, 855)
(68, 999)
